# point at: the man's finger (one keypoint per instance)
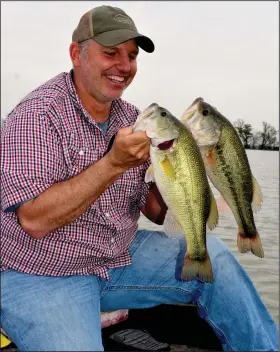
(138, 138)
(125, 131)
(135, 137)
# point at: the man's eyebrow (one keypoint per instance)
(110, 48)
(134, 51)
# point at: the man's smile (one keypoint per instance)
(116, 79)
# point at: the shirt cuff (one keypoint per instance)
(19, 188)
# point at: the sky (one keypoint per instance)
(224, 51)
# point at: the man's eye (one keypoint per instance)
(109, 53)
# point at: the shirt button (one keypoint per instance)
(81, 152)
(107, 215)
(112, 240)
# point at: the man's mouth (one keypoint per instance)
(116, 79)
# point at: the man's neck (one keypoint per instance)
(98, 111)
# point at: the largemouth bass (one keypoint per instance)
(177, 169)
(228, 168)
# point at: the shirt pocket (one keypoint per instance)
(79, 155)
(125, 191)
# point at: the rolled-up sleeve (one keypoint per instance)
(31, 158)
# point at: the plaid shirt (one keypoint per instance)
(49, 137)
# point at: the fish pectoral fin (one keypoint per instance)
(213, 217)
(222, 205)
(210, 157)
(171, 227)
(149, 176)
(167, 167)
(257, 196)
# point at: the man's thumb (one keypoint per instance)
(125, 131)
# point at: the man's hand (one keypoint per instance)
(129, 149)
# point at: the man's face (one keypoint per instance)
(107, 71)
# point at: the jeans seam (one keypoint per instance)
(99, 284)
(215, 327)
(15, 331)
(156, 288)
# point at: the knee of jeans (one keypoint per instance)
(224, 262)
(215, 245)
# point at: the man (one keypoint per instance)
(72, 190)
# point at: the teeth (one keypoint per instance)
(116, 78)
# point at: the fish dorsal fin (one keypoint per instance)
(213, 217)
(167, 167)
(171, 227)
(149, 176)
(257, 196)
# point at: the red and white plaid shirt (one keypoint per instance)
(49, 137)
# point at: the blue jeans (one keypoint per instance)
(43, 313)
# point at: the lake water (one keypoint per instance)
(264, 272)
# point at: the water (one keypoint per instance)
(264, 272)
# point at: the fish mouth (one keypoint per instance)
(138, 125)
(191, 110)
(166, 145)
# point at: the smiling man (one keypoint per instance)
(72, 177)
(111, 42)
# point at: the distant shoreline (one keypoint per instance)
(275, 149)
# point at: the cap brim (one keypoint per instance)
(118, 36)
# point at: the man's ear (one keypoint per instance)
(75, 52)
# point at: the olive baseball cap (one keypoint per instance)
(110, 26)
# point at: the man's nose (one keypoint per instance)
(123, 63)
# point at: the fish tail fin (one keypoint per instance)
(193, 269)
(257, 248)
(253, 244)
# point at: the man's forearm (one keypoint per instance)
(155, 208)
(63, 202)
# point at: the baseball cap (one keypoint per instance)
(110, 26)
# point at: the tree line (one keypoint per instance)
(267, 139)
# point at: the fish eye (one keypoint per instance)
(163, 113)
(205, 112)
